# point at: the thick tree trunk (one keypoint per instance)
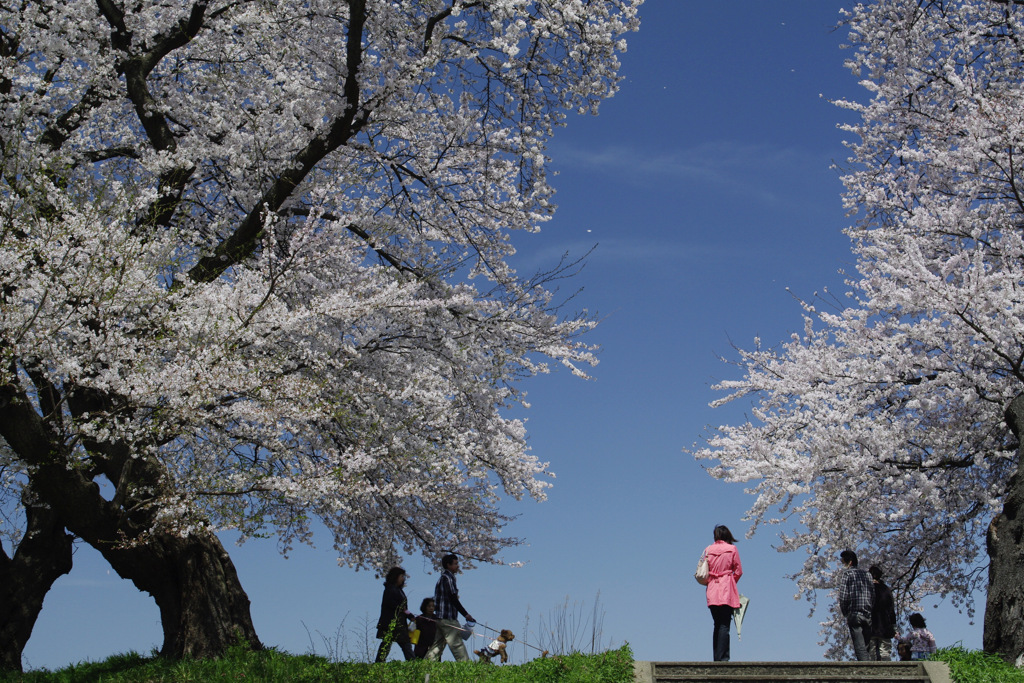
(1004, 608)
(203, 608)
(42, 556)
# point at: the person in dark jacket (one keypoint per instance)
(393, 625)
(883, 619)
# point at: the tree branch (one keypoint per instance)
(244, 240)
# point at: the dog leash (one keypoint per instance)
(543, 653)
(463, 628)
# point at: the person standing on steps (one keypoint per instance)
(856, 599)
(448, 608)
(883, 619)
(724, 570)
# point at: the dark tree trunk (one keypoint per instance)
(42, 556)
(203, 608)
(1004, 608)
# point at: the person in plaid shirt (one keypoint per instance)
(856, 599)
(448, 608)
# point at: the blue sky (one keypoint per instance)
(706, 186)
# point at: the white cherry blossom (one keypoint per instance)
(269, 240)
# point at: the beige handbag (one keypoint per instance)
(702, 574)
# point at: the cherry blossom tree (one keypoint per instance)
(880, 427)
(254, 274)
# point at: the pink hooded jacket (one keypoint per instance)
(725, 570)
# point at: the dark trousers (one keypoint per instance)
(722, 614)
(857, 626)
(400, 635)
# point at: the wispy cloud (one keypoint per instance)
(753, 170)
(630, 253)
(697, 183)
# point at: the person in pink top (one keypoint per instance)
(724, 570)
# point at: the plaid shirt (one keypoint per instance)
(856, 593)
(446, 598)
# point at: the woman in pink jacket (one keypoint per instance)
(724, 570)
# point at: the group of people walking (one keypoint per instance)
(437, 622)
(870, 613)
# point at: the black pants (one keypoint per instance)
(722, 614)
(400, 635)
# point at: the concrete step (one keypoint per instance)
(805, 672)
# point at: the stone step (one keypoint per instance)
(805, 672)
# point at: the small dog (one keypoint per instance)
(497, 647)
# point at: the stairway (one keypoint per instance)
(804, 672)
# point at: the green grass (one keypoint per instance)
(975, 666)
(615, 666)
